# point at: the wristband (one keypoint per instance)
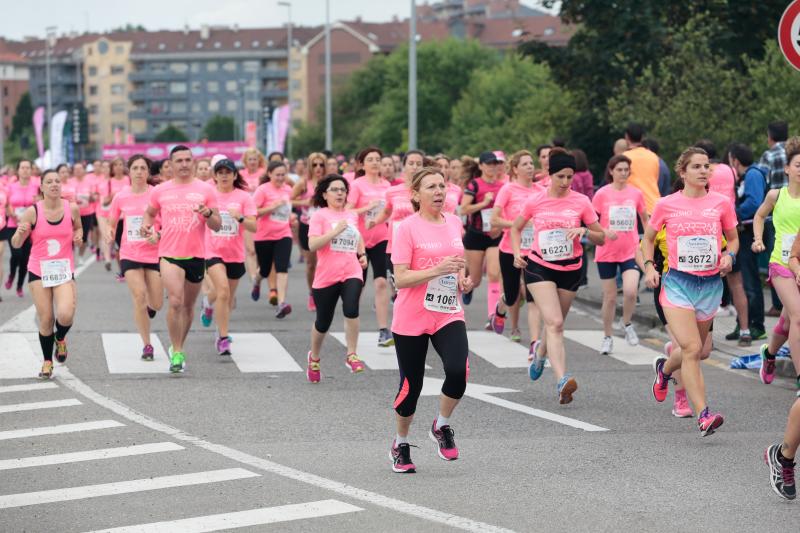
(650, 261)
(733, 257)
(241, 219)
(208, 215)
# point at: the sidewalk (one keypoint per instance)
(646, 316)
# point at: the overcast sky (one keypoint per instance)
(31, 17)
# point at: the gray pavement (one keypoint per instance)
(265, 441)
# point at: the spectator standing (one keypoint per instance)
(582, 180)
(644, 166)
(664, 175)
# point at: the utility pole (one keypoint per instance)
(51, 32)
(328, 105)
(288, 6)
(412, 78)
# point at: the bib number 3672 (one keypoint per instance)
(697, 253)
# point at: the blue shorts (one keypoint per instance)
(608, 270)
(701, 294)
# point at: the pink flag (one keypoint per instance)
(38, 128)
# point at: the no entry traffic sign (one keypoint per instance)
(789, 34)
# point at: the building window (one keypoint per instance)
(229, 66)
(158, 87)
(275, 65)
(196, 87)
(92, 71)
(158, 67)
(93, 109)
(118, 88)
(179, 68)
(295, 64)
(231, 85)
(231, 105)
(92, 90)
(195, 67)
(212, 66)
(177, 87)
(251, 66)
(119, 49)
(118, 126)
(213, 106)
(158, 108)
(212, 86)
(116, 70)
(195, 107)
(93, 128)
(295, 84)
(117, 108)
(178, 107)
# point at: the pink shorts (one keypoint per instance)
(776, 270)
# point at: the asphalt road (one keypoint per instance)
(219, 447)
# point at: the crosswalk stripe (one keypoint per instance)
(497, 349)
(124, 354)
(28, 387)
(261, 352)
(632, 355)
(254, 517)
(32, 406)
(374, 356)
(17, 359)
(89, 455)
(122, 487)
(57, 430)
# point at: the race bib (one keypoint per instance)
(486, 220)
(373, 213)
(554, 245)
(133, 226)
(527, 238)
(83, 199)
(346, 241)
(281, 213)
(55, 272)
(622, 218)
(786, 246)
(697, 253)
(19, 211)
(441, 295)
(229, 227)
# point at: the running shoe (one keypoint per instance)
(445, 444)
(536, 367)
(680, 405)
(61, 350)
(532, 349)
(273, 297)
(255, 294)
(661, 381)
(758, 334)
(97, 254)
(312, 370)
(283, 310)
(177, 362)
(488, 325)
(151, 312)
(355, 364)
(630, 335)
(385, 338)
(20, 294)
(312, 305)
(207, 316)
(47, 370)
(147, 352)
(606, 346)
(223, 346)
(745, 339)
(120, 277)
(566, 388)
(9, 282)
(108, 266)
(498, 322)
(516, 335)
(466, 297)
(401, 458)
(767, 372)
(781, 473)
(708, 422)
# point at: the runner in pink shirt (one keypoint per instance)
(116, 181)
(507, 206)
(429, 266)
(333, 234)
(273, 238)
(203, 170)
(22, 194)
(5, 231)
(67, 188)
(225, 248)
(138, 254)
(367, 199)
(691, 290)
(187, 206)
(85, 195)
(387, 169)
(302, 197)
(620, 206)
(53, 226)
(553, 264)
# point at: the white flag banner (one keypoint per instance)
(57, 154)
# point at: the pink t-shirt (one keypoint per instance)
(129, 207)
(51, 244)
(452, 199)
(362, 193)
(252, 178)
(723, 181)
(68, 191)
(619, 211)
(274, 225)
(399, 198)
(552, 218)
(337, 261)
(428, 307)
(20, 198)
(512, 198)
(228, 242)
(694, 230)
(3, 202)
(182, 229)
(84, 189)
(110, 187)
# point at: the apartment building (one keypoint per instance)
(13, 84)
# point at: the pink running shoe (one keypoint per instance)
(680, 405)
(312, 371)
(354, 363)
(20, 294)
(767, 372)
(709, 422)
(661, 381)
(223, 346)
(401, 458)
(9, 282)
(445, 445)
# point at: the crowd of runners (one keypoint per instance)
(429, 228)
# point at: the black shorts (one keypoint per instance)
(194, 267)
(127, 264)
(278, 252)
(568, 280)
(608, 270)
(88, 222)
(479, 241)
(302, 236)
(6, 233)
(232, 270)
(376, 256)
(118, 234)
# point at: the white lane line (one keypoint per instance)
(374, 498)
(123, 353)
(122, 487)
(89, 455)
(17, 359)
(28, 387)
(32, 406)
(57, 430)
(632, 355)
(261, 352)
(374, 356)
(254, 517)
(497, 349)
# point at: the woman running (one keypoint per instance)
(53, 227)
(619, 205)
(203, 169)
(367, 199)
(5, 231)
(553, 265)
(387, 169)
(695, 221)
(138, 254)
(85, 196)
(117, 180)
(225, 253)
(429, 268)
(22, 194)
(67, 188)
(302, 197)
(254, 166)
(333, 235)
(273, 238)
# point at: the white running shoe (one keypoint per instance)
(606, 346)
(631, 336)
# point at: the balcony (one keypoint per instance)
(143, 114)
(273, 73)
(141, 95)
(274, 93)
(164, 75)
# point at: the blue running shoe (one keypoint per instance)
(466, 297)
(536, 367)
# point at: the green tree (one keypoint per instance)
(220, 128)
(171, 134)
(776, 91)
(23, 117)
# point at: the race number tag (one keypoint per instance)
(373, 213)
(346, 241)
(229, 226)
(133, 227)
(697, 253)
(786, 246)
(621, 218)
(527, 238)
(486, 220)
(55, 272)
(19, 211)
(441, 295)
(83, 199)
(554, 245)
(281, 213)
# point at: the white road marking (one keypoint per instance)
(632, 355)
(374, 356)
(32, 406)
(28, 387)
(57, 430)
(261, 352)
(497, 349)
(17, 359)
(254, 517)
(89, 455)
(124, 354)
(433, 386)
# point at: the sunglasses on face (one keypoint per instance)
(320, 165)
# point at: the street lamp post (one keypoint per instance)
(412, 78)
(288, 6)
(328, 107)
(51, 31)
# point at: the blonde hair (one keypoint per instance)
(686, 156)
(311, 157)
(515, 160)
(792, 147)
(416, 181)
(262, 162)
